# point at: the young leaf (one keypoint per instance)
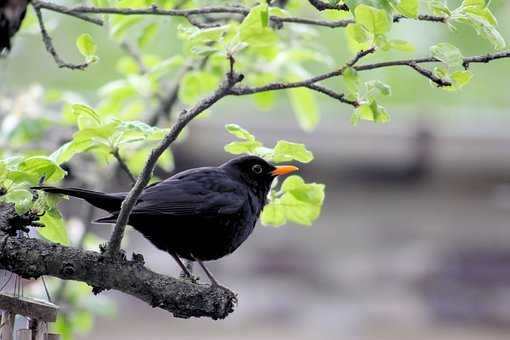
(21, 198)
(86, 46)
(375, 20)
(42, 166)
(448, 54)
(287, 151)
(54, 229)
(305, 107)
(300, 202)
(409, 8)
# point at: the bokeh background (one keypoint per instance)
(414, 238)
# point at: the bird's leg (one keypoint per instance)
(207, 272)
(189, 267)
(185, 270)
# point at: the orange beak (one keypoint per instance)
(284, 169)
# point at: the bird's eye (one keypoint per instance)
(257, 168)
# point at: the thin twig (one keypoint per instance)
(184, 118)
(246, 90)
(48, 43)
(123, 165)
(338, 96)
(133, 53)
(63, 10)
(428, 74)
(188, 13)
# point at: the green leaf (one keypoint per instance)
(86, 112)
(408, 8)
(305, 107)
(459, 79)
(264, 15)
(248, 145)
(300, 202)
(54, 229)
(42, 166)
(359, 33)
(65, 152)
(253, 32)
(121, 26)
(273, 215)
(239, 132)
(439, 7)
(21, 198)
(148, 34)
(448, 54)
(375, 87)
(83, 320)
(287, 151)
(166, 66)
(370, 111)
(86, 46)
(375, 20)
(196, 84)
(352, 82)
(402, 45)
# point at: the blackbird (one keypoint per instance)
(199, 214)
(12, 13)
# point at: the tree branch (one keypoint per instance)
(338, 96)
(32, 258)
(62, 9)
(184, 118)
(244, 90)
(428, 74)
(48, 43)
(189, 13)
(413, 63)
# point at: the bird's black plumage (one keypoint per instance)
(200, 214)
(12, 13)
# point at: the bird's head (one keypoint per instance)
(256, 171)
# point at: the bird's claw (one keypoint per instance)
(191, 279)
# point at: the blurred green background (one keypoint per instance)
(414, 239)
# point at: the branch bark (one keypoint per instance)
(32, 258)
(48, 43)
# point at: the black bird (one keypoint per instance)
(12, 13)
(199, 214)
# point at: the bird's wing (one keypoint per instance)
(205, 192)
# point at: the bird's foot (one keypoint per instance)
(138, 258)
(189, 278)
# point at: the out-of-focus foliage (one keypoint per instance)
(120, 106)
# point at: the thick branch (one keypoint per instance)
(32, 258)
(48, 43)
(184, 118)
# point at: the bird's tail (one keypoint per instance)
(108, 202)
